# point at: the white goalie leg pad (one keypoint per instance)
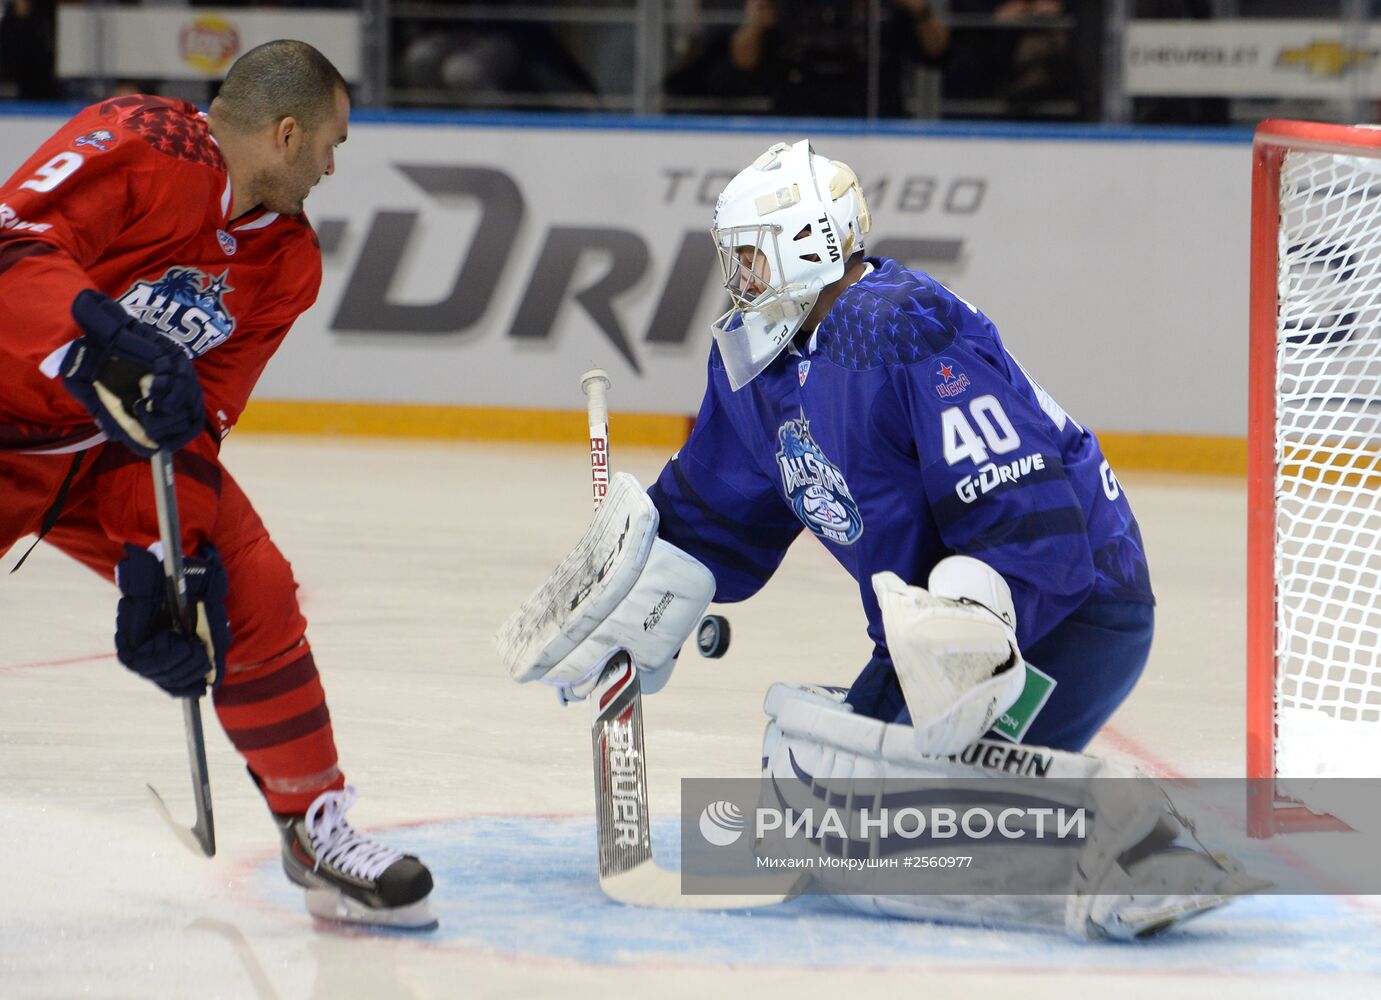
(1141, 888)
(954, 649)
(814, 746)
(622, 587)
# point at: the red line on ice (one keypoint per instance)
(89, 658)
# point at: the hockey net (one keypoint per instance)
(1314, 562)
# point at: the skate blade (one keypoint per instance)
(334, 906)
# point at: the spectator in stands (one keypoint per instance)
(702, 76)
(1017, 66)
(812, 57)
(510, 65)
(1042, 65)
(26, 50)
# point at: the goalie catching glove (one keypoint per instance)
(621, 588)
(954, 649)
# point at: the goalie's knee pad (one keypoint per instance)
(954, 649)
(621, 588)
(1135, 869)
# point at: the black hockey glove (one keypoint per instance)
(139, 385)
(149, 642)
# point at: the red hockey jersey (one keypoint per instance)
(132, 197)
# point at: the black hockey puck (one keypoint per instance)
(712, 638)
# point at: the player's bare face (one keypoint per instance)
(754, 272)
(310, 161)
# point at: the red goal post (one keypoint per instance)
(1314, 470)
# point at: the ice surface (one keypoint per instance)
(410, 555)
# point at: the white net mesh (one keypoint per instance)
(1328, 467)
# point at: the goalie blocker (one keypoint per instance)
(622, 587)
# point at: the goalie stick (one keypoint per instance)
(628, 872)
(202, 835)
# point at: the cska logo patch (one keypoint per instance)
(953, 380)
(816, 487)
(186, 305)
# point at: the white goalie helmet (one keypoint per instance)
(785, 228)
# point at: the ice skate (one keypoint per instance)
(347, 876)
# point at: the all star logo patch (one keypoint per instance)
(815, 486)
(185, 304)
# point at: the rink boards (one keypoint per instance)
(480, 262)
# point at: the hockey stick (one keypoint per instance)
(202, 836)
(628, 872)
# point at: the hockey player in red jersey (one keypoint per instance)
(151, 260)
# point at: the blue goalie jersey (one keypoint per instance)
(901, 433)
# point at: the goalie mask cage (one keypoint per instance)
(1314, 472)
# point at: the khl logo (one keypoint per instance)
(722, 823)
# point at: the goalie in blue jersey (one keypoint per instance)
(996, 555)
(862, 401)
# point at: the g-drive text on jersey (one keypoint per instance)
(970, 488)
(9, 219)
